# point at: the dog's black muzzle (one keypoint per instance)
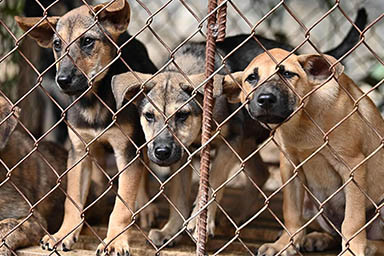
(164, 153)
(69, 79)
(270, 103)
(71, 84)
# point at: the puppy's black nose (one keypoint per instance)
(162, 152)
(266, 100)
(64, 81)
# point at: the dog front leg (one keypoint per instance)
(355, 207)
(218, 175)
(180, 191)
(121, 216)
(293, 198)
(150, 212)
(258, 172)
(79, 179)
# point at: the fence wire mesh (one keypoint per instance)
(100, 141)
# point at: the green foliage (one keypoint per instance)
(9, 66)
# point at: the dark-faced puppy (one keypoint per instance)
(40, 177)
(85, 51)
(171, 118)
(331, 134)
(185, 121)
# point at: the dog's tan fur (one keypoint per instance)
(89, 118)
(33, 177)
(348, 145)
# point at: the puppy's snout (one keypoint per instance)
(64, 81)
(163, 152)
(266, 100)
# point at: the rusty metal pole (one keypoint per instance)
(206, 129)
(222, 21)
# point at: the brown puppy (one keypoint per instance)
(31, 178)
(86, 60)
(331, 136)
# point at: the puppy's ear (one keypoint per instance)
(318, 68)
(128, 85)
(9, 124)
(43, 32)
(222, 85)
(232, 86)
(114, 17)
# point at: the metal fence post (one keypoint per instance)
(206, 129)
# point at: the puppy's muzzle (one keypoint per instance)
(71, 84)
(163, 152)
(64, 81)
(69, 79)
(271, 103)
(266, 100)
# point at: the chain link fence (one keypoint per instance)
(131, 145)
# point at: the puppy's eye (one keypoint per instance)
(87, 42)
(288, 74)
(149, 116)
(252, 78)
(57, 45)
(182, 116)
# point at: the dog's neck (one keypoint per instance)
(91, 110)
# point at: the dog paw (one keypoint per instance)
(148, 216)
(211, 226)
(271, 249)
(159, 237)
(47, 243)
(118, 247)
(192, 227)
(318, 242)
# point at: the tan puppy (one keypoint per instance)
(331, 136)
